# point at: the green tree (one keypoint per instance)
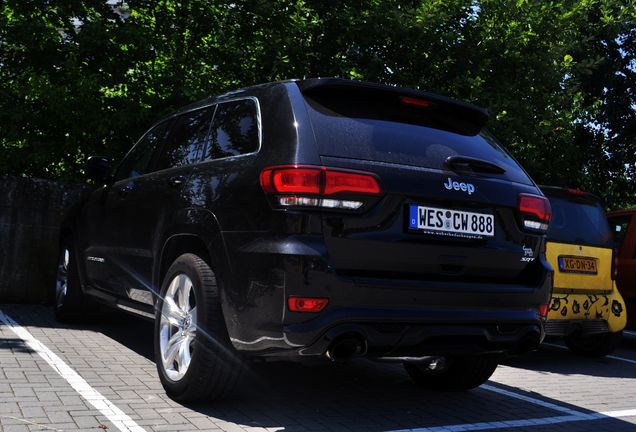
(85, 77)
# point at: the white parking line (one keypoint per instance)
(124, 423)
(623, 359)
(572, 416)
(117, 417)
(531, 400)
(509, 424)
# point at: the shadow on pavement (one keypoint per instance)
(131, 331)
(360, 396)
(563, 362)
(367, 396)
(15, 344)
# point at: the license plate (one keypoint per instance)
(451, 223)
(570, 264)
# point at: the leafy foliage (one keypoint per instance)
(88, 77)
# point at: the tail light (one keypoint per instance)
(318, 186)
(615, 264)
(576, 192)
(415, 102)
(307, 304)
(535, 212)
(543, 309)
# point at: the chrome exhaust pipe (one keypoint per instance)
(346, 348)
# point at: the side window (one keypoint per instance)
(234, 129)
(137, 160)
(186, 140)
(619, 226)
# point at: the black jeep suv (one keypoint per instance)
(316, 219)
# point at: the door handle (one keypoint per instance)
(176, 181)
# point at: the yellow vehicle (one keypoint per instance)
(586, 308)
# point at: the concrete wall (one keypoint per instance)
(31, 211)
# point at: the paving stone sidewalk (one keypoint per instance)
(114, 355)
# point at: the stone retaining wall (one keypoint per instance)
(31, 211)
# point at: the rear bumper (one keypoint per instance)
(397, 333)
(386, 336)
(586, 313)
(394, 317)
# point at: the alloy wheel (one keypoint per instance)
(177, 329)
(61, 285)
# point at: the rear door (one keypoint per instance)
(580, 242)
(118, 222)
(162, 192)
(450, 209)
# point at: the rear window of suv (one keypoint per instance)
(579, 221)
(360, 126)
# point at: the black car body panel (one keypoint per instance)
(403, 291)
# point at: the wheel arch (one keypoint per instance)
(197, 232)
(179, 244)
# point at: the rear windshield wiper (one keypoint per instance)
(466, 163)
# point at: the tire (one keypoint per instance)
(204, 365)
(457, 374)
(70, 302)
(596, 345)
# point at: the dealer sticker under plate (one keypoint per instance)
(452, 223)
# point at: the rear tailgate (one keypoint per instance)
(437, 220)
(579, 242)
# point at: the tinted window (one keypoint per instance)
(358, 126)
(579, 222)
(137, 161)
(619, 226)
(234, 129)
(186, 140)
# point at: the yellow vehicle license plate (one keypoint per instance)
(571, 264)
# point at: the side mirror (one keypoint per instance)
(98, 168)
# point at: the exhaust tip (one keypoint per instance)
(345, 348)
(529, 342)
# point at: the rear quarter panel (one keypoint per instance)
(229, 192)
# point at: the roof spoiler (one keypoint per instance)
(564, 192)
(468, 112)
